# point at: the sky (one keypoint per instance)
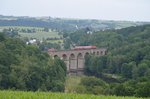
(125, 10)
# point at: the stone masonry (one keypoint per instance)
(75, 59)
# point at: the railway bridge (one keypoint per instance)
(75, 58)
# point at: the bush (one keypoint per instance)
(143, 89)
(91, 85)
(81, 89)
(92, 81)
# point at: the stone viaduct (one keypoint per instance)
(75, 59)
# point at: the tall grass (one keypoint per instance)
(71, 83)
(50, 95)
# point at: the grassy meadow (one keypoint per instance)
(72, 83)
(20, 27)
(50, 95)
(39, 34)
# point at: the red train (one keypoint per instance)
(52, 50)
(75, 48)
(84, 47)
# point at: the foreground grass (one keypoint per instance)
(50, 95)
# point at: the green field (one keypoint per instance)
(20, 27)
(39, 34)
(50, 95)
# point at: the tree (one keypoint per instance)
(92, 85)
(123, 90)
(127, 69)
(65, 35)
(142, 69)
(67, 43)
(143, 90)
(46, 29)
(2, 37)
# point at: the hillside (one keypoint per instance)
(125, 69)
(63, 24)
(123, 46)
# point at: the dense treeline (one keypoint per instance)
(25, 67)
(126, 66)
(128, 52)
(65, 25)
(97, 86)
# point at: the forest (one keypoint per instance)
(125, 69)
(25, 67)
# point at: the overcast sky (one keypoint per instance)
(131, 10)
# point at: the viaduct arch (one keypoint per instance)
(75, 59)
